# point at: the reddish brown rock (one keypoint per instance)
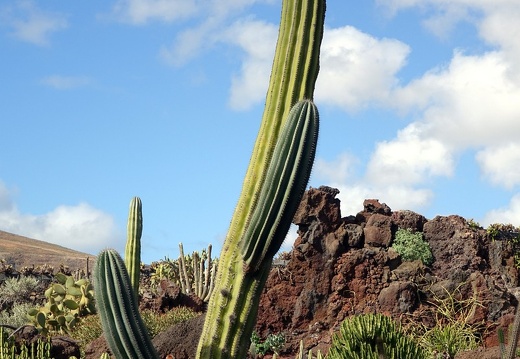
(341, 267)
(379, 231)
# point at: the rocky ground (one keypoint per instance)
(342, 266)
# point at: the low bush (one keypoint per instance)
(411, 246)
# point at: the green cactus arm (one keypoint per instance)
(122, 324)
(133, 242)
(234, 302)
(286, 178)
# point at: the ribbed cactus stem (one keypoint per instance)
(285, 181)
(234, 315)
(183, 273)
(233, 304)
(133, 242)
(208, 278)
(117, 304)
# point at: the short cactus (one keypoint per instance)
(122, 324)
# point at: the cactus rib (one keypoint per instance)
(285, 182)
(124, 329)
(133, 242)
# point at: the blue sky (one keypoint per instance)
(101, 101)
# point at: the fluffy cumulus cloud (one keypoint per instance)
(257, 39)
(471, 103)
(501, 164)
(31, 24)
(80, 227)
(356, 68)
(140, 12)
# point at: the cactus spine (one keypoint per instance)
(244, 263)
(123, 327)
(133, 242)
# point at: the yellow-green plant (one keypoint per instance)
(133, 242)
(269, 198)
(373, 336)
(301, 353)
(197, 273)
(10, 350)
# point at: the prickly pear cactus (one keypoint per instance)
(67, 301)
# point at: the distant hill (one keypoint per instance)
(21, 251)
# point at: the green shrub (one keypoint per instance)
(447, 340)
(373, 336)
(411, 246)
(16, 316)
(17, 290)
(158, 322)
(86, 331)
(272, 344)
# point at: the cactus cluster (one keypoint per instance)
(373, 336)
(197, 273)
(194, 273)
(67, 301)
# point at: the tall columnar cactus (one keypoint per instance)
(117, 304)
(273, 185)
(133, 242)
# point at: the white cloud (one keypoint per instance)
(501, 164)
(338, 171)
(509, 214)
(81, 227)
(140, 12)
(61, 82)
(191, 42)
(31, 24)
(409, 159)
(356, 68)
(470, 103)
(258, 40)
(341, 174)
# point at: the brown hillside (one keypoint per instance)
(20, 251)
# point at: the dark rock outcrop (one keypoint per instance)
(341, 267)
